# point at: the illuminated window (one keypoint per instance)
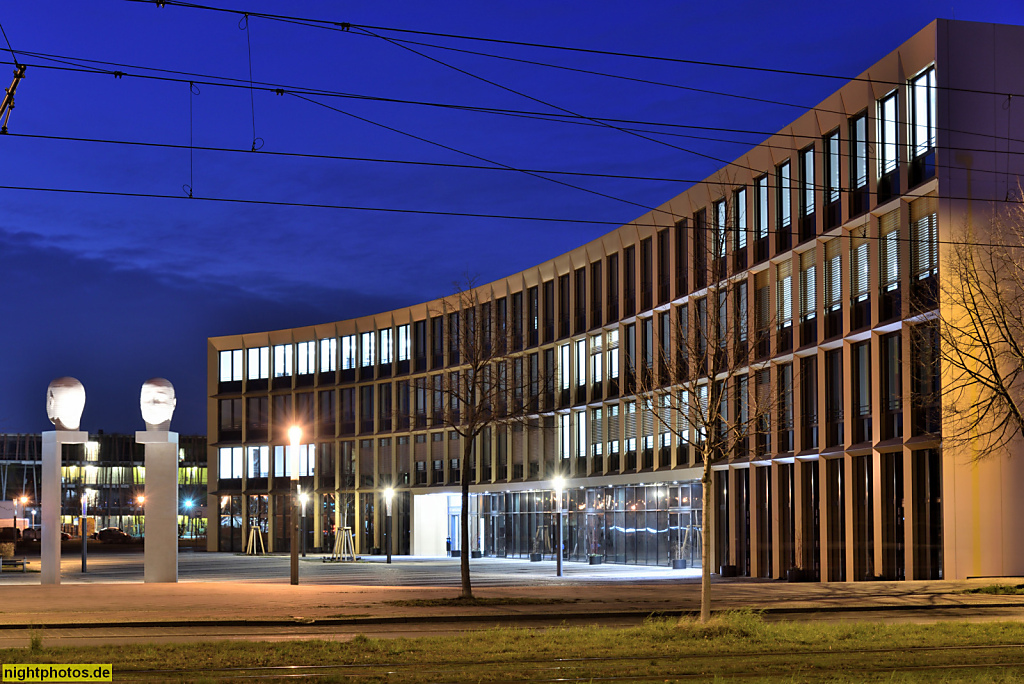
(306, 357)
(385, 345)
(231, 365)
(328, 355)
(888, 155)
(258, 461)
(282, 360)
(230, 463)
(348, 352)
(613, 354)
(366, 356)
(403, 343)
(258, 363)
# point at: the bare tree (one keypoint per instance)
(979, 338)
(483, 386)
(706, 391)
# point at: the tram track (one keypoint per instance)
(741, 665)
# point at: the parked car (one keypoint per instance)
(8, 534)
(112, 535)
(36, 534)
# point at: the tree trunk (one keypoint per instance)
(467, 453)
(705, 548)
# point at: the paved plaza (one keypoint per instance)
(232, 596)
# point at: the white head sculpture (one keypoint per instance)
(157, 401)
(65, 401)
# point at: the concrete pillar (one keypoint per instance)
(774, 501)
(49, 513)
(848, 516)
(161, 552)
(824, 506)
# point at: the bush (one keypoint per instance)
(6, 549)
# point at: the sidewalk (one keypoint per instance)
(271, 600)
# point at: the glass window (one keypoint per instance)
(858, 265)
(924, 242)
(328, 354)
(889, 251)
(403, 343)
(761, 206)
(596, 438)
(833, 276)
(563, 367)
(348, 352)
(922, 113)
(596, 368)
(282, 360)
(807, 182)
(720, 224)
(859, 151)
(366, 355)
(613, 354)
(782, 188)
(564, 436)
(581, 362)
(888, 154)
(258, 363)
(305, 357)
(258, 461)
(230, 463)
(231, 365)
(832, 186)
(385, 345)
(784, 275)
(808, 285)
(740, 212)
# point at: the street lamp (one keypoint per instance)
(188, 512)
(295, 434)
(140, 525)
(389, 494)
(303, 497)
(22, 500)
(559, 485)
(85, 529)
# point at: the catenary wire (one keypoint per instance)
(190, 77)
(74, 64)
(428, 212)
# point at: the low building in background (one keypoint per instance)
(110, 471)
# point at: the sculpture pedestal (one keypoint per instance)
(161, 508)
(49, 547)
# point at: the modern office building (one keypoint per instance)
(831, 232)
(110, 471)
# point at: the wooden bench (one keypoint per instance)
(12, 563)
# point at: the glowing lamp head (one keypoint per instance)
(157, 402)
(142, 499)
(187, 503)
(559, 484)
(65, 401)
(23, 500)
(295, 434)
(389, 494)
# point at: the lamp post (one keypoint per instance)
(23, 500)
(188, 512)
(140, 525)
(559, 485)
(389, 494)
(303, 497)
(295, 434)
(85, 530)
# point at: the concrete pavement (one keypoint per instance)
(228, 589)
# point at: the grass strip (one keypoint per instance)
(735, 645)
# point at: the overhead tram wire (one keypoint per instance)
(410, 162)
(345, 27)
(429, 212)
(471, 155)
(71, 65)
(532, 172)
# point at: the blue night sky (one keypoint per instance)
(114, 290)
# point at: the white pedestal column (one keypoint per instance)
(161, 553)
(50, 500)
